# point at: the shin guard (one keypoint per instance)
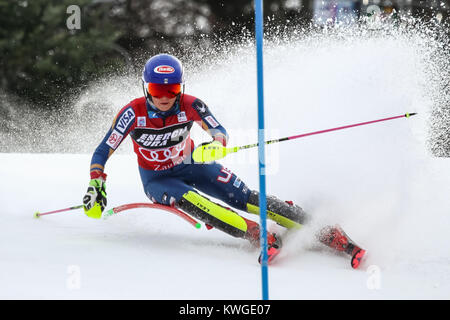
(215, 215)
(284, 213)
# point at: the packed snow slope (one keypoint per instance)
(377, 181)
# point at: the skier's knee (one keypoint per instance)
(165, 199)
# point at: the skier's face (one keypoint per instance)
(164, 103)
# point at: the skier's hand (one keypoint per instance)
(95, 198)
(209, 152)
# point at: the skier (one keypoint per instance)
(159, 124)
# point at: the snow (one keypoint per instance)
(148, 254)
(378, 182)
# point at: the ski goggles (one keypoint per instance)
(163, 90)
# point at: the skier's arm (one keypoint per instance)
(208, 122)
(116, 134)
(95, 198)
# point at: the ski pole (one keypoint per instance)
(199, 156)
(38, 214)
(129, 206)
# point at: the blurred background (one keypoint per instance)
(52, 50)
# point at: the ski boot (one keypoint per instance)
(274, 243)
(335, 238)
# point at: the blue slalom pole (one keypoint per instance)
(262, 166)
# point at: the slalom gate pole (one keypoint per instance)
(129, 206)
(170, 209)
(38, 214)
(259, 34)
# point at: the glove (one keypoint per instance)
(95, 198)
(209, 152)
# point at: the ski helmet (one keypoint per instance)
(162, 69)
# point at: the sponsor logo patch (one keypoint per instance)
(201, 107)
(237, 183)
(164, 69)
(166, 158)
(126, 118)
(212, 122)
(166, 137)
(141, 121)
(152, 114)
(182, 116)
(114, 139)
